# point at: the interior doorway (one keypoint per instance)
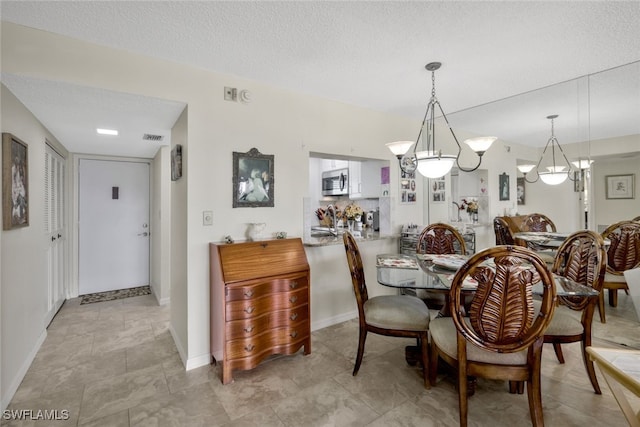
(113, 225)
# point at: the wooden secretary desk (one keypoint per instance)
(259, 302)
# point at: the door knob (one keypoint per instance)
(145, 234)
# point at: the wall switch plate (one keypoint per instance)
(207, 218)
(230, 94)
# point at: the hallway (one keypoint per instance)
(115, 364)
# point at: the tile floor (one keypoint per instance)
(115, 364)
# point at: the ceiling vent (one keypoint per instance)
(151, 137)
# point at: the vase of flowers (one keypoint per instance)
(353, 213)
(471, 206)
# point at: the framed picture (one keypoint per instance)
(620, 186)
(408, 187)
(252, 179)
(578, 181)
(438, 190)
(503, 183)
(176, 163)
(15, 182)
(521, 190)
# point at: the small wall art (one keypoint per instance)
(620, 186)
(438, 187)
(253, 184)
(176, 162)
(15, 182)
(408, 187)
(503, 186)
(520, 186)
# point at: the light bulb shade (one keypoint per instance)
(582, 164)
(555, 169)
(526, 168)
(398, 148)
(554, 178)
(433, 165)
(481, 143)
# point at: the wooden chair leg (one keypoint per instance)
(558, 349)
(462, 398)
(601, 307)
(433, 363)
(361, 341)
(534, 388)
(589, 365)
(424, 349)
(613, 297)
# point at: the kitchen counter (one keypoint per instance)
(365, 236)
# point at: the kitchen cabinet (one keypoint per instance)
(365, 179)
(259, 302)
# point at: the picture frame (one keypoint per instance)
(408, 192)
(15, 182)
(176, 162)
(521, 193)
(620, 186)
(503, 186)
(253, 183)
(578, 181)
(438, 190)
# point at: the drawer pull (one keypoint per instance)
(248, 329)
(293, 284)
(293, 298)
(294, 316)
(249, 347)
(294, 334)
(248, 293)
(249, 310)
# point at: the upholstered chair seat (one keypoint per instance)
(397, 312)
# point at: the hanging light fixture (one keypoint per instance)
(555, 174)
(431, 163)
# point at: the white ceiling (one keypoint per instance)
(370, 54)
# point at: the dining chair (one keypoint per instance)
(582, 259)
(538, 222)
(623, 254)
(503, 233)
(636, 218)
(390, 315)
(503, 335)
(440, 239)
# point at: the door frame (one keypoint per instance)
(73, 291)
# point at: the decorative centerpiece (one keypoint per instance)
(471, 206)
(353, 213)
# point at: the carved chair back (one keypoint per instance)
(357, 272)
(502, 314)
(624, 250)
(538, 222)
(503, 232)
(440, 239)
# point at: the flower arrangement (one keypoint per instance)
(351, 211)
(470, 204)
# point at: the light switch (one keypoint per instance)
(207, 218)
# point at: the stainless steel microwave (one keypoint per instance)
(335, 183)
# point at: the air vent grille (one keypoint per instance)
(151, 137)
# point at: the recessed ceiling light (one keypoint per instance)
(107, 132)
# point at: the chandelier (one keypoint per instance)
(431, 163)
(556, 173)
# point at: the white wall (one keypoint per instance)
(161, 226)
(23, 288)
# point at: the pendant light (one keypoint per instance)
(431, 163)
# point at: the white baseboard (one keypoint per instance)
(15, 383)
(334, 320)
(161, 301)
(196, 362)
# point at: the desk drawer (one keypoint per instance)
(268, 341)
(258, 289)
(258, 306)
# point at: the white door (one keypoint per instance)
(55, 229)
(114, 225)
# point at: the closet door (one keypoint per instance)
(55, 229)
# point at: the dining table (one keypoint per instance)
(542, 239)
(436, 272)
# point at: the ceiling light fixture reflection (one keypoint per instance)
(431, 163)
(555, 174)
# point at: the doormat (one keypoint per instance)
(113, 295)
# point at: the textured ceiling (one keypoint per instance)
(370, 54)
